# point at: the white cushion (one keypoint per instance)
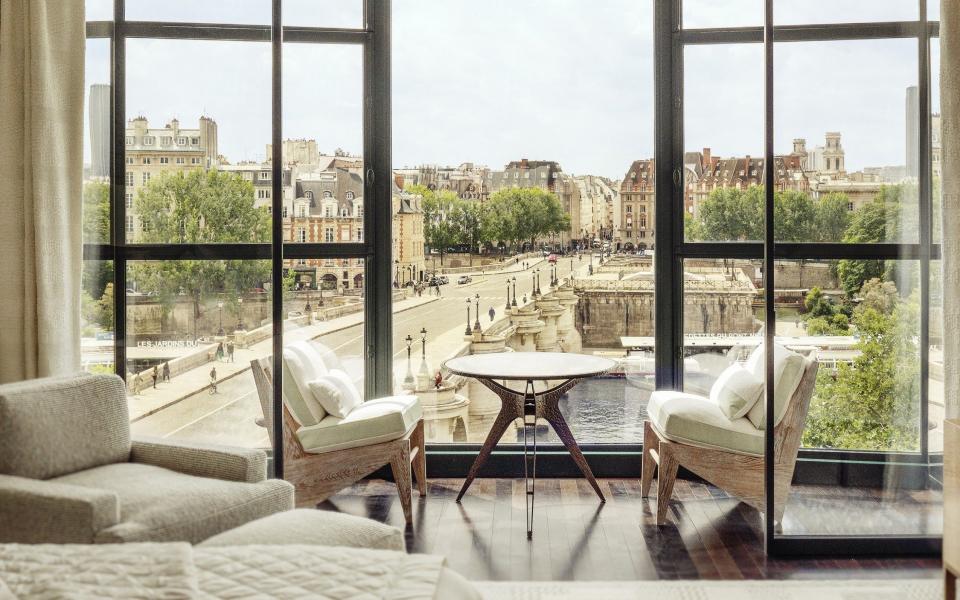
(294, 399)
(305, 366)
(329, 357)
(372, 422)
(335, 393)
(788, 369)
(695, 420)
(736, 390)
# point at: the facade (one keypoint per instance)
(299, 152)
(150, 151)
(98, 106)
(637, 194)
(466, 180)
(597, 198)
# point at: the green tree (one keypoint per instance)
(729, 214)
(439, 228)
(874, 222)
(794, 217)
(96, 212)
(873, 403)
(199, 207)
(832, 217)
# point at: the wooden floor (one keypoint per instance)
(710, 535)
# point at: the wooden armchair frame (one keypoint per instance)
(316, 477)
(739, 474)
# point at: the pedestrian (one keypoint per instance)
(492, 313)
(213, 380)
(438, 289)
(220, 352)
(137, 383)
(156, 375)
(166, 371)
(230, 349)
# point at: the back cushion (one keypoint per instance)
(296, 374)
(59, 425)
(788, 369)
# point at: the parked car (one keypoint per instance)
(464, 279)
(444, 280)
(552, 259)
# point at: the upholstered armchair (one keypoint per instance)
(70, 473)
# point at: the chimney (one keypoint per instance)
(707, 157)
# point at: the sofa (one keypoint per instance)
(70, 472)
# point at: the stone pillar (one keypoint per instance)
(527, 325)
(483, 402)
(566, 323)
(550, 311)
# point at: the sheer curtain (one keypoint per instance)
(950, 139)
(41, 167)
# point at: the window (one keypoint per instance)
(129, 179)
(164, 160)
(180, 160)
(149, 140)
(131, 140)
(194, 141)
(146, 177)
(328, 234)
(146, 160)
(181, 141)
(350, 195)
(195, 160)
(129, 223)
(129, 160)
(301, 235)
(128, 200)
(166, 140)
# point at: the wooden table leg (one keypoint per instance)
(551, 412)
(511, 409)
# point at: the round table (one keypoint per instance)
(530, 404)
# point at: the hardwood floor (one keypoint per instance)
(709, 534)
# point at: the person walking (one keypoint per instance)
(492, 312)
(220, 352)
(213, 380)
(166, 371)
(230, 350)
(137, 384)
(156, 375)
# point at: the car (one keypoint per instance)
(444, 280)
(464, 279)
(552, 259)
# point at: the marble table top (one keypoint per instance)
(529, 365)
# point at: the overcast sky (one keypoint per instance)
(493, 81)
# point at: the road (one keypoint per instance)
(228, 417)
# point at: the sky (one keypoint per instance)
(490, 82)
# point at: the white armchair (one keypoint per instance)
(332, 441)
(695, 432)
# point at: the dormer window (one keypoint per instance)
(350, 196)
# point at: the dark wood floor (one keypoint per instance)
(710, 536)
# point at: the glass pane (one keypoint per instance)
(864, 162)
(96, 313)
(790, 12)
(933, 10)
(936, 144)
(192, 329)
(862, 426)
(99, 10)
(732, 13)
(722, 317)
(323, 337)
(195, 156)
(937, 405)
(346, 14)
(723, 138)
(323, 202)
(464, 244)
(96, 143)
(238, 12)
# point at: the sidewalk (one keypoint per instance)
(150, 400)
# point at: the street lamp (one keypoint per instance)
(476, 323)
(514, 282)
(467, 330)
(538, 281)
(220, 307)
(396, 274)
(533, 287)
(408, 378)
(240, 314)
(508, 294)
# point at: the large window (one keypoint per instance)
(401, 186)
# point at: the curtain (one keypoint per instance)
(950, 140)
(41, 166)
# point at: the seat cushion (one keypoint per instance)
(692, 419)
(58, 425)
(372, 422)
(161, 505)
(788, 369)
(310, 526)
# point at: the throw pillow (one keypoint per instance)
(788, 369)
(335, 393)
(736, 391)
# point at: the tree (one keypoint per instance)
(875, 221)
(199, 207)
(439, 229)
(794, 217)
(729, 214)
(832, 217)
(873, 403)
(96, 212)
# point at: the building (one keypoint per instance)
(98, 107)
(299, 152)
(150, 151)
(596, 208)
(637, 199)
(465, 180)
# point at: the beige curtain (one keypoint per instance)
(41, 167)
(950, 139)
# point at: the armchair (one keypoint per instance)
(324, 453)
(70, 473)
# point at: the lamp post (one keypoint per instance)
(476, 323)
(408, 378)
(508, 294)
(240, 314)
(513, 280)
(423, 343)
(467, 330)
(220, 307)
(538, 281)
(533, 286)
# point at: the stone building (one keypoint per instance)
(597, 198)
(637, 194)
(150, 151)
(466, 180)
